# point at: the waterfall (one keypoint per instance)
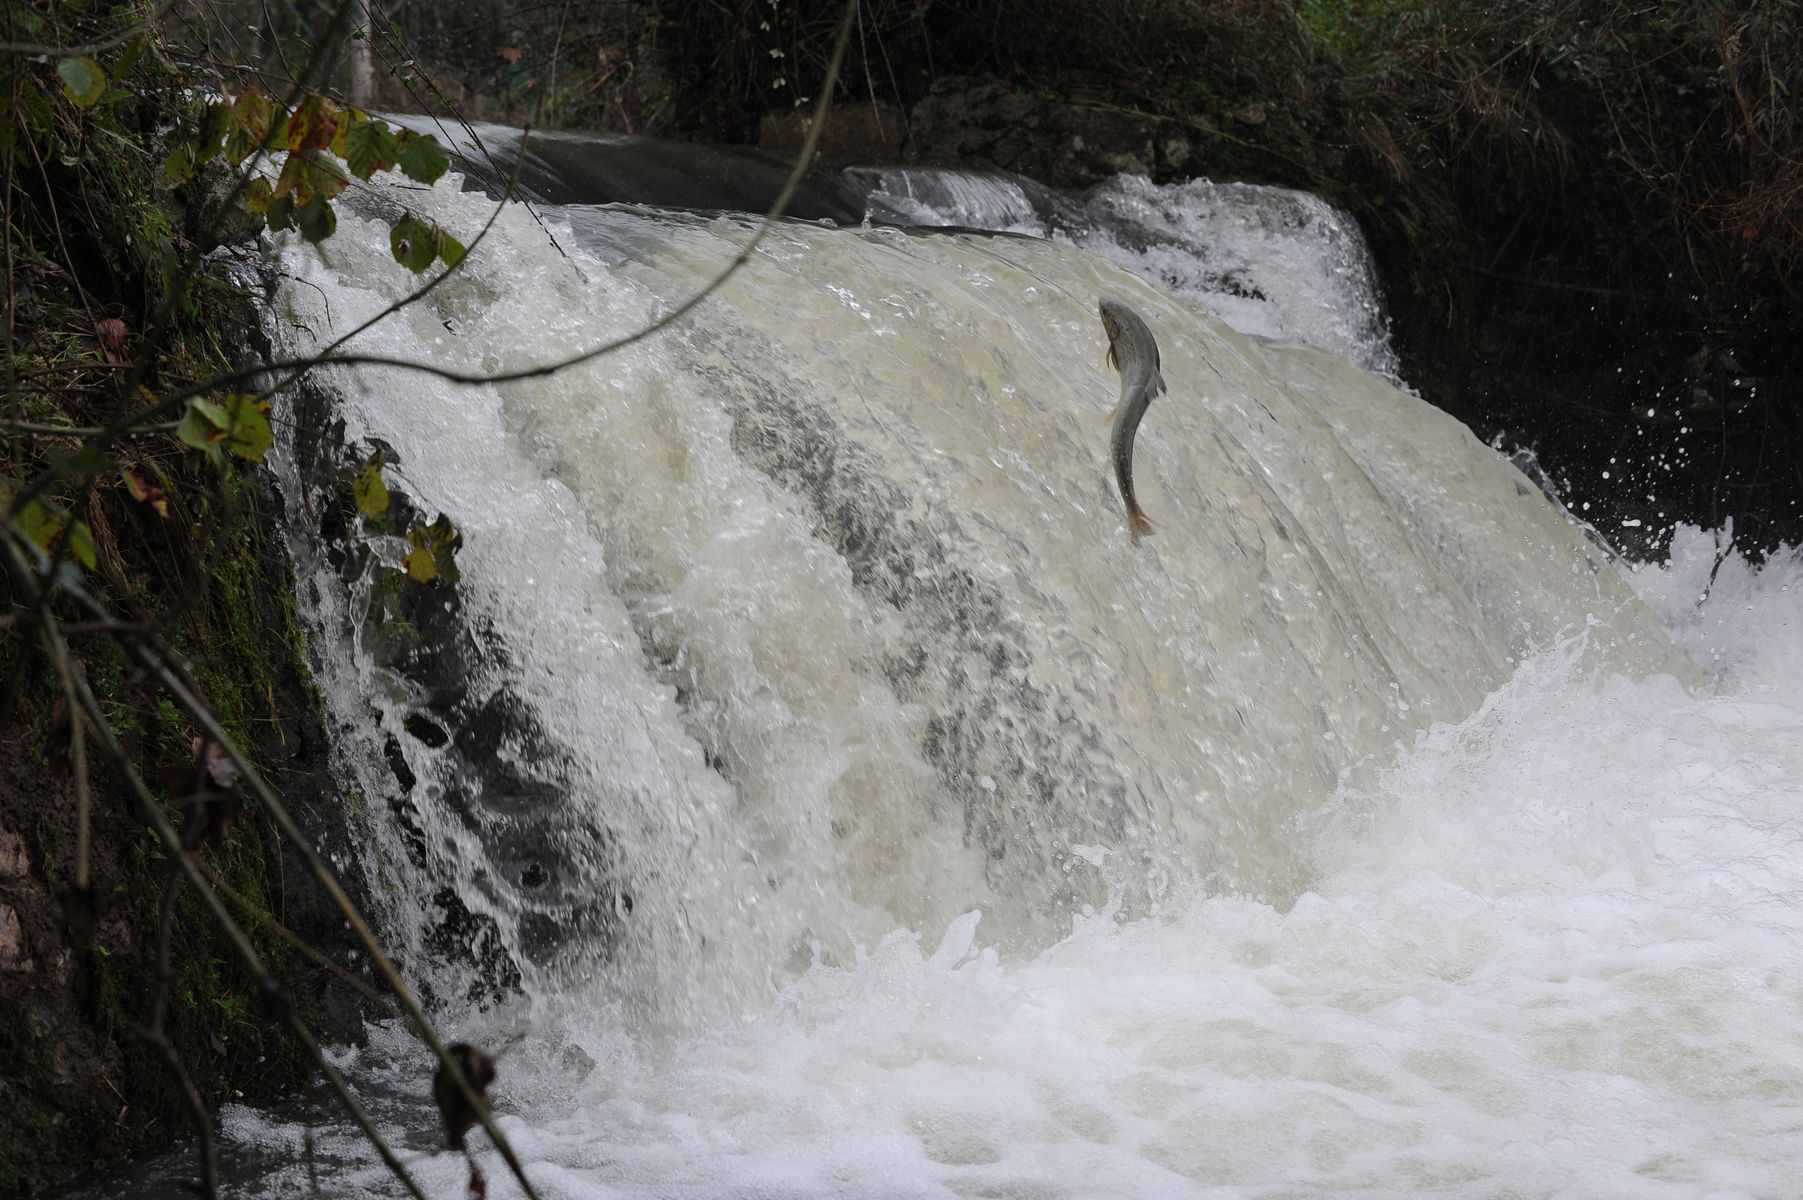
(1270, 261)
(814, 616)
(808, 790)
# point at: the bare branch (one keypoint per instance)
(358, 1113)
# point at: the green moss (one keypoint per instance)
(39, 1142)
(214, 579)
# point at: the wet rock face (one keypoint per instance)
(462, 753)
(14, 862)
(857, 133)
(1063, 142)
(974, 123)
(60, 1063)
(13, 955)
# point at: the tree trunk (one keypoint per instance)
(363, 62)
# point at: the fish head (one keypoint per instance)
(1112, 317)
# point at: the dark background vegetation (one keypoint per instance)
(1586, 212)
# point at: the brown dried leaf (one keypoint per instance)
(144, 491)
(111, 335)
(458, 1114)
(208, 790)
(222, 772)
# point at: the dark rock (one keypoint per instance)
(1069, 143)
(862, 133)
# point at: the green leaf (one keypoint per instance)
(345, 117)
(203, 427)
(180, 166)
(248, 125)
(83, 460)
(316, 220)
(370, 146)
(420, 566)
(422, 158)
(279, 212)
(433, 553)
(44, 524)
(450, 249)
(247, 432)
(40, 525)
(81, 544)
(35, 108)
(256, 195)
(414, 243)
(83, 80)
(215, 123)
(305, 176)
(134, 50)
(368, 489)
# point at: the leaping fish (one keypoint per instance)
(1134, 353)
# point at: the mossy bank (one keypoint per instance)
(106, 311)
(81, 1085)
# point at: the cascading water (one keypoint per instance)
(821, 611)
(1352, 835)
(1269, 261)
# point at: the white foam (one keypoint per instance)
(1553, 951)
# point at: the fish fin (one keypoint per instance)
(1158, 387)
(1138, 525)
(1113, 359)
(1113, 414)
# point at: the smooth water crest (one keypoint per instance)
(818, 794)
(1270, 261)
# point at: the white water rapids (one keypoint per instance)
(1359, 834)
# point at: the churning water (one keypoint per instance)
(861, 814)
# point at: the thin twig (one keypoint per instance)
(66, 669)
(357, 1111)
(154, 1034)
(42, 430)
